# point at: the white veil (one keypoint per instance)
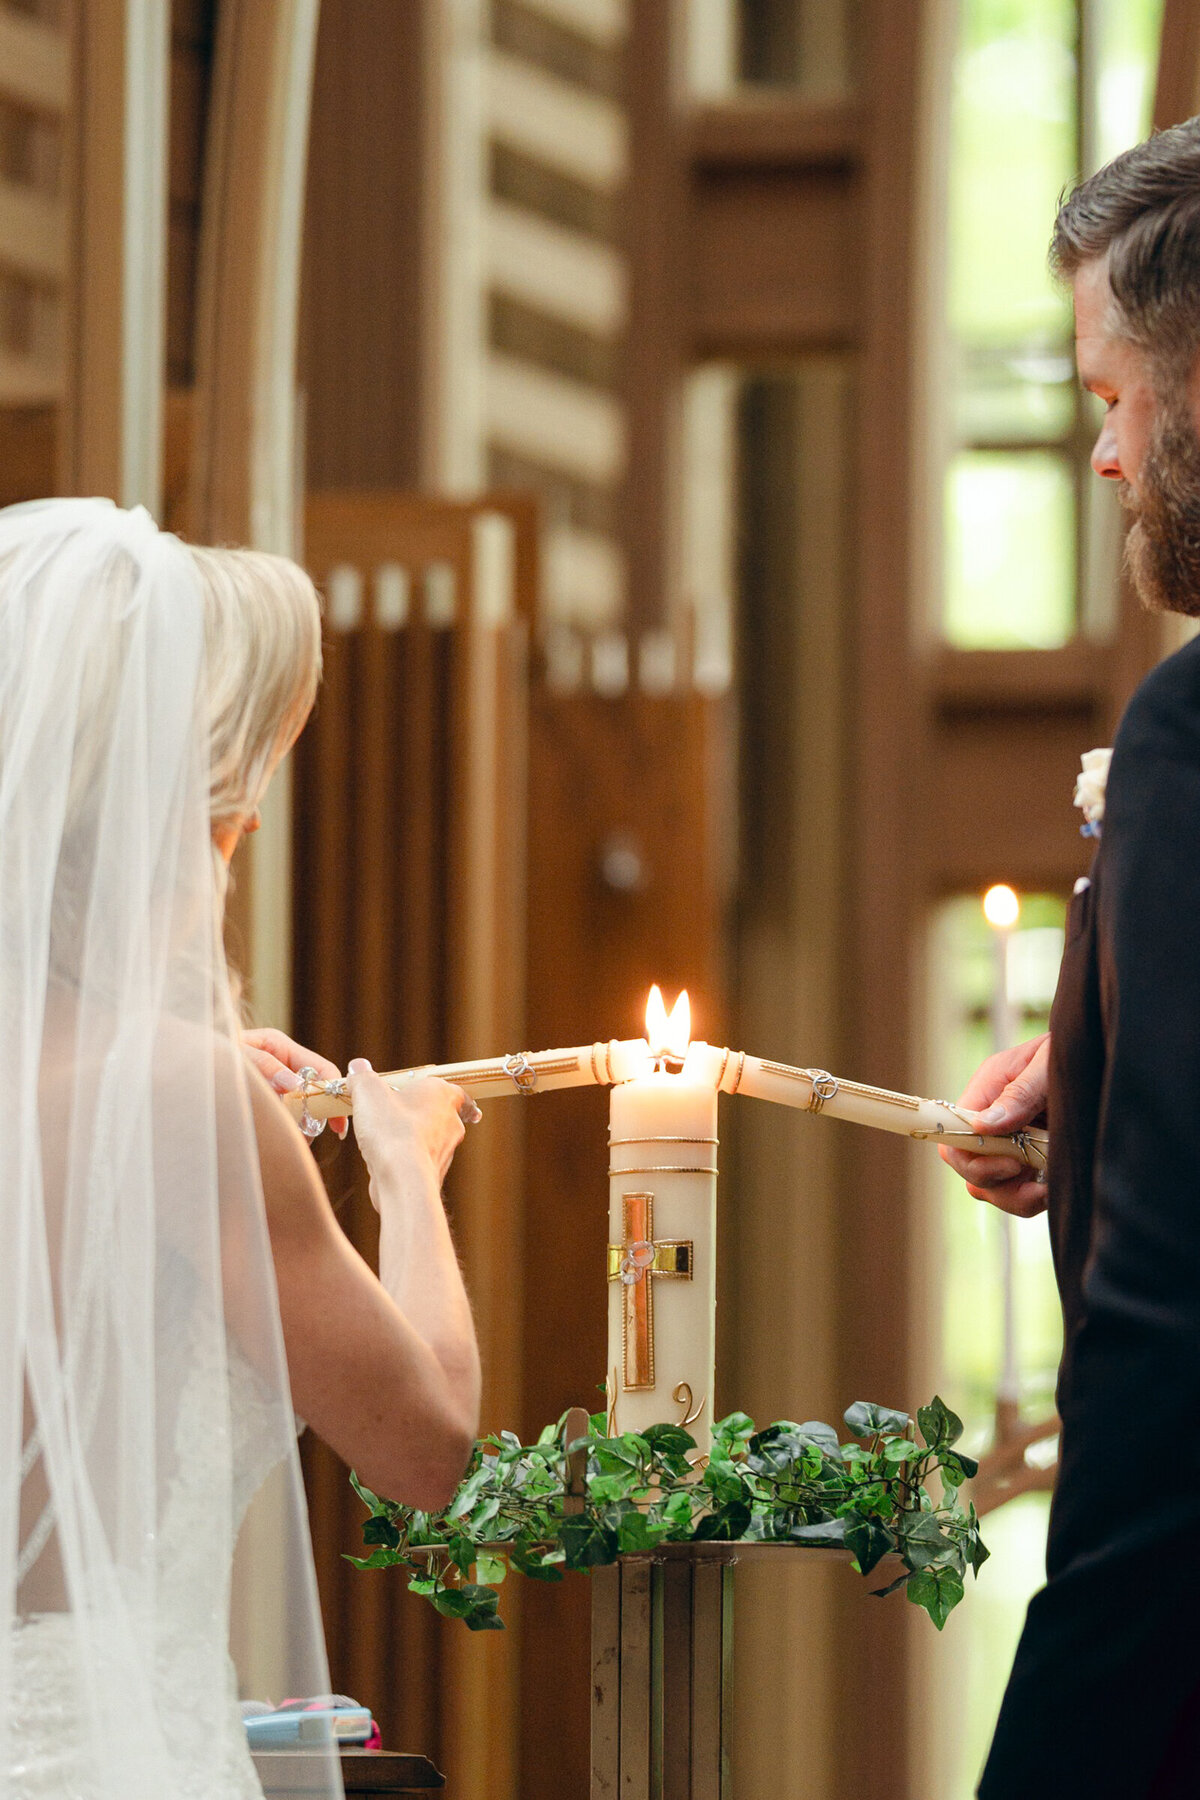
(143, 1388)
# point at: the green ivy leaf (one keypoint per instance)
(669, 1441)
(490, 1569)
(724, 1481)
(636, 1532)
(937, 1590)
(587, 1544)
(979, 1551)
(922, 1539)
(868, 1543)
(677, 1511)
(474, 1604)
(899, 1450)
(724, 1526)
(539, 1563)
(378, 1559)
(369, 1500)
(732, 1433)
(468, 1494)
(380, 1530)
(462, 1552)
(822, 1437)
(605, 1488)
(865, 1419)
(829, 1532)
(938, 1425)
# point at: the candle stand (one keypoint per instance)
(662, 1674)
(662, 1657)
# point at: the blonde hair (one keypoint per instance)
(262, 627)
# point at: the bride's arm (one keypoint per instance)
(387, 1372)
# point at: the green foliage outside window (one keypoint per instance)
(1024, 125)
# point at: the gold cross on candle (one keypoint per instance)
(636, 1263)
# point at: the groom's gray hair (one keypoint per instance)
(1141, 213)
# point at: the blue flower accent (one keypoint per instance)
(1091, 829)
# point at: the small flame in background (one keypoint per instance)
(669, 1034)
(1001, 907)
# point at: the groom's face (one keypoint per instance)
(1148, 442)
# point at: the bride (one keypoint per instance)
(174, 1288)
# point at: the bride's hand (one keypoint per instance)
(279, 1059)
(425, 1117)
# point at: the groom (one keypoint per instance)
(1104, 1698)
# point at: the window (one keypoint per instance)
(807, 47)
(1041, 89)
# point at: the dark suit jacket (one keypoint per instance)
(1109, 1663)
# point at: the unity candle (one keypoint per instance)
(662, 1232)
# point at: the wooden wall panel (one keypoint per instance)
(366, 279)
(652, 771)
(887, 771)
(193, 24)
(999, 798)
(1177, 95)
(409, 798)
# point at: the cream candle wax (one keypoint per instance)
(662, 1243)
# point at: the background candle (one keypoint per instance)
(662, 1246)
(1002, 910)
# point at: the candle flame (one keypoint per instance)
(1001, 907)
(669, 1034)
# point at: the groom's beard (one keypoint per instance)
(1162, 547)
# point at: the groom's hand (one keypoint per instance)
(279, 1059)
(1006, 1092)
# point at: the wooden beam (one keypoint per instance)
(1076, 676)
(33, 233)
(771, 130)
(655, 213)
(775, 261)
(243, 484)
(35, 69)
(244, 476)
(116, 292)
(28, 381)
(27, 450)
(372, 255)
(1177, 94)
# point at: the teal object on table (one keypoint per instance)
(298, 1728)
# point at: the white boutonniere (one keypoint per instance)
(1089, 790)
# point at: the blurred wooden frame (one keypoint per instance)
(115, 323)
(409, 904)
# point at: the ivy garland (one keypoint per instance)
(786, 1484)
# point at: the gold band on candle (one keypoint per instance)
(670, 1138)
(664, 1169)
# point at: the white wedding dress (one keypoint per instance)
(51, 1759)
